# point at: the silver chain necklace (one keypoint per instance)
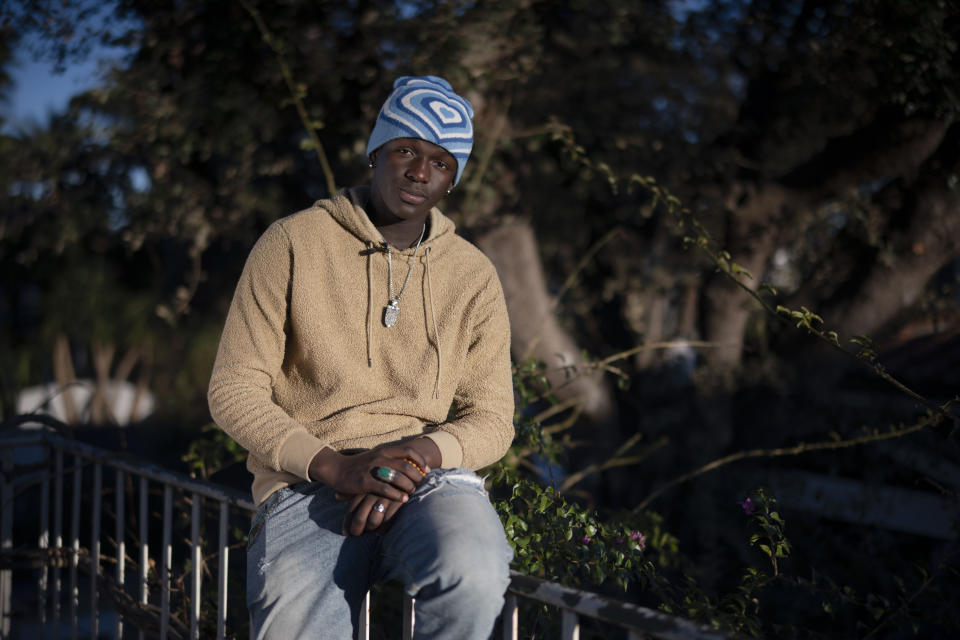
(392, 311)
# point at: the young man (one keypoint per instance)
(365, 367)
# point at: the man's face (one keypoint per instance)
(410, 177)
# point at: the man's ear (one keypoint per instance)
(373, 157)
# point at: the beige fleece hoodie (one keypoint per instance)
(306, 362)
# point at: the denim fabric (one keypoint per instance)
(446, 546)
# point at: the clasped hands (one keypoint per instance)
(353, 477)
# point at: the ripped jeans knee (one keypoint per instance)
(452, 481)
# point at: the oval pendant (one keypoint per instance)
(390, 314)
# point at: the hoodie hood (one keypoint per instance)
(348, 207)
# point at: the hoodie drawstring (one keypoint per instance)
(371, 250)
(433, 321)
(370, 253)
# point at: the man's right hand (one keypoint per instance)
(355, 474)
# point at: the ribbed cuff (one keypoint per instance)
(451, 453)
(297, 451)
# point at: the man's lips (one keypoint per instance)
(412, 198)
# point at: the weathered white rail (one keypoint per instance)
(146, 593)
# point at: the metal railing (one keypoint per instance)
(142, 587)
(136, 585)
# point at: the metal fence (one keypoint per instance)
(189, 585)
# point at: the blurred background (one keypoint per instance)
(813, 150)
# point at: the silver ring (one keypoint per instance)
(379, 508)
(384, 473)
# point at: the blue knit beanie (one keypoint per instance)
(427, 108)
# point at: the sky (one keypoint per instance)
(38, 90)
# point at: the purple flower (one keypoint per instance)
(585, 540)
(639, 538)
(619, 540)
(748, 506)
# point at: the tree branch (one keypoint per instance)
(803, 447)
(277, 49)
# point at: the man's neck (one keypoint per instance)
(402, 234)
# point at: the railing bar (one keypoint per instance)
(25, 481)
(622, 614)
(95, 549)
(364, 632)
(44, 543)
(6, 542)
(571, 625)
(196, 559)
(166, 561)
(136, 467)
(511, 618)
(75, 545)
(120, 535)
(57, 533)
(144, 545)
(409, 617)
(222, 574)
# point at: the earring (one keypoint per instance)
(372, 166)
(449, 190)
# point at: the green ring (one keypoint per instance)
(385, 473)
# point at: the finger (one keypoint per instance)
(356, 500)
(357, 519)
(373, 484)
(384, 490)
(404, 476)
(416, 456)
(414, 465)
(415, 470)
(406, 451)
(375, 508)
(354, 516)
(411, 462)
(392, 509)
(378, 514)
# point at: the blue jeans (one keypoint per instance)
(306, 580)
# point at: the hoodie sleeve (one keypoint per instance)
(250, 357)
(481, 427)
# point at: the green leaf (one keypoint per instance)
(766, 286)
(737, 270)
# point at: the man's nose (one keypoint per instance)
(419, 170)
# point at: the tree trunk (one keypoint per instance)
(753, 231)
(933, 238)
(535, 330)
(65, 376)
